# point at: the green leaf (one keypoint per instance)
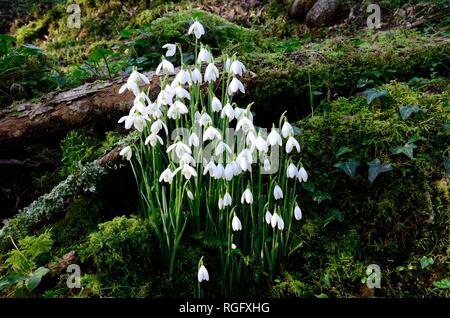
(322, 295)
(426, 261)
(308, 186)
(442, 284)
(407, 149)
(375, 168)
(11, 279)
(406, 111)
(127, 33)
(35, 278)
(320, 196)
(343, 150)
(349, 167)
(447, 166)
(373, 94)
(7, 38)
(333, 215)
(98, 54)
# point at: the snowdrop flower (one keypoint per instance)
(209, 168)
(141, 99)
(203, 119)
(190, 195)
(268, 217)
(187, 171)
(193, 140)
(235, 85)
(227, 65)
(245, 159)
(211, 73)
(227, 200)
(250, 140)
(171, 49)
(229, 173)
(280, 223)
(129, 120)
(182, 78)
(274, 138)
(187, 159)
(180, 149)
(165, 65)
(274, 220)
(266, 165)
(236, 168)
(153, 139)
(302, 175)
(227, 111)
(220, 204)
(176, 110)
(167, 176)
(180, 92)
(138, 122)
(236, 224)
(297, 213)
(221, 147)
(237, 68)
(211, 133)
(287, 129)
(291, 143)
(277, 193)
(216, 105)
(245, 124)
(154, 110)
(291, 171)
(233, 246)
(204, 55)
(203, 274)
(219, 171)
(157, 126)
(247, 197)
(261, 144)
(126, 153)
(196, 76)
(132, 83)
(196, 28)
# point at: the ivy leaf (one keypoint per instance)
(407, 149)
(426, 261)
(11, 279)
(406, 111)
(442, 284)
(333, 215)
(349, 167)
(320, 196)
(375, 168)
(35, 278)
(343, 150)
(373, 94)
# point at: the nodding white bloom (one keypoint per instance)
(135, 120)
(193, 140)
(153, 139)
(297, 213)
(219, 171)
(291, 143)
(180, 92)
(141, 99)
(245, 124)
(166, 175)
(221, 147)
(182, 78)
(227, 111)
(287, 129)
(250, 140)
(233, 246)
(132, 83)
(196, 28)
(266, 165)
(211, 133)
(165, 97)
(220, 204)
(126, 153)
(237, 68)
(274, 220)
(171, 49)
(274, 138)
(180, 149)
(302, 175)
(196, 76)
(176, 110)
(165, 65)
(268, 217)
(280, 223)
(157, 126)
(229, 172)
(291, 171)
(277, 193)
(227, 65)
(216, 105)
(211, 73)
(236, 224)
(186, 170)
(209, 168)
(236, 168)
(204, 55)
(190, 195)
(235, 85)
(154, 110)
(261, 144)
(245, 159)
(227, 200)
(188, 159)
(202, 274)
(203, 119)
(247, 197)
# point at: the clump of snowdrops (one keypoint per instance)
(202, 163)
